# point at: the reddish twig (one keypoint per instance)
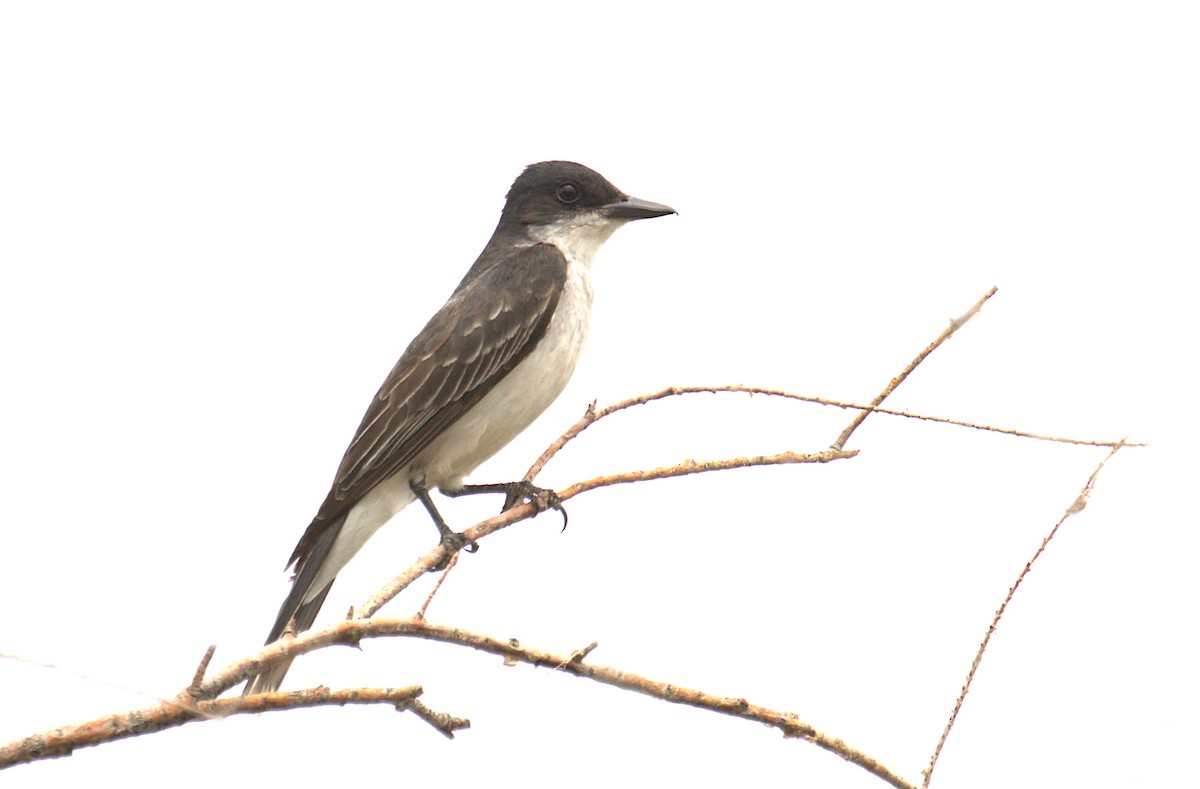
(954, 326)
(441, 579)
(593, 415)
(1076, 506)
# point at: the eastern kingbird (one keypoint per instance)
(491, 360)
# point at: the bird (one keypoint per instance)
(486, 365)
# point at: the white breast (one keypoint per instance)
(504, 412)
(521, 397)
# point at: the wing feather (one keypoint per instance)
(484, 330)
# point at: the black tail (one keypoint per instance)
(295, 610)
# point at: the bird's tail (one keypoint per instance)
(296, 610)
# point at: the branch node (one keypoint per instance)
(350, 639)
(954, 326)
(193, 689)
(578, 655)
(440, 721)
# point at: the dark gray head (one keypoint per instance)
(553, 192)
(564, 204)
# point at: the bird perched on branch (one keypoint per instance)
(485, 366)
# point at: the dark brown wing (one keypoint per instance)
(485, 330)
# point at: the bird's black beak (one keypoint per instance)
(633, 208)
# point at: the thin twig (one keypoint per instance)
(593, 415)
(1076, 506)
(590, 415)
(528, 510)
(198, 677)
(188, 705)
(954, 326)
(441, 579)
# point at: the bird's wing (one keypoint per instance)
(485, 330)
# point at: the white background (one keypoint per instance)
(220, 223)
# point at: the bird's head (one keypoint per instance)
(572, 206)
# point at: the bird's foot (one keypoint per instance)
(514, 493)
(542, 499)
(453, 542)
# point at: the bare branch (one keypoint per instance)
(440, 721)
(954, 326)
(355, 630)
(441, 580)
(592, 415)
(199, 701)
(1076, 506)
(66, 739)
(528, 510)
(200, 670)
(787, 723)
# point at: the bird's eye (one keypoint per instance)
(567, 193)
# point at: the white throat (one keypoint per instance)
(578, 236)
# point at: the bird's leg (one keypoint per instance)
(452, 540)
(514, 493)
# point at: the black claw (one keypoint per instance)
(542, 498)
(549, 500)
(515, 493)
(522, 490)
(453, 542)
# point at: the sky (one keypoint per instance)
(223, 222)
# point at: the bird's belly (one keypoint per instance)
(518, 399)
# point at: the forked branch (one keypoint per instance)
(200, 700)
